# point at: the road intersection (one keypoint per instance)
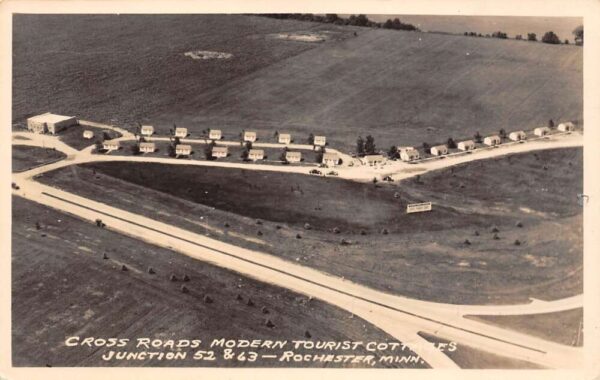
(401, 317)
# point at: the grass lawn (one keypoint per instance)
(26, 157)
(404, 88)
(422, 255)
(562, 327)
(73, 136)
(62, 286)
(471, 358)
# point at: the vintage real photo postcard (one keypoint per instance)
(376, 193)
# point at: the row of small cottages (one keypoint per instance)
(411, 154)
(216, 134)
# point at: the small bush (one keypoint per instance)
(151, 270)
(250, 302)
(495, 229)
(517, 242)
(105, 256)
(269, 323)
(124, 268)
(259, 233)
(173, 278)
(384, 231)
(186, 278)
(259, 222)
(184, 289)
(307, 334)
(239, 297)
(264, 310)
(226, 225)
(336, 230)
(298, 236)
(278, 227)
(476, 233)
(496, 237)
(467, 242)
(363, 232)
(519, 224)
(208, 299)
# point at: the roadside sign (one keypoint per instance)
(418, 207)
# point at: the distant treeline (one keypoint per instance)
(548, 37)
(355, 20)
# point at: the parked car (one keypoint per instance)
(315, 172)
(333, 173)
(15, 186)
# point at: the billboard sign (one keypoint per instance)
(418, 207)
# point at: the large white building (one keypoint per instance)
(320, 141)
(466, 145)
(374, 159)
(50, 123)
(110, 145)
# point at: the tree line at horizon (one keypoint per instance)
(549, 37)
(354, 20)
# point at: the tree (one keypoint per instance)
(451, 144)
(518, 37)
(578, 33)
(426, 148)
(246, 150)
(331, 18)
(135, 149)
(499, 34)
(550, 38)
(208, 150)
(99, 145)
(551, 124)
(283, 156)
(566, 41)
(502, 133)
(319, 156)
(393, 153)
(477, 137)
(370, 145)
(311, 139)
(360, 146)
(531, 37)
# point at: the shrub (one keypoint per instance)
(184, 289)
(531, 37)
(384, 231)
(250, 302)
(517, 242)
(208, 299)
(259, 233)
(298, 236)
(239, 297)
(307, 334)
(226, 225)
(336, 230)
(173, 278)
(476, 233)
(186, 278)
(496, 237)
(104, 256)
(151, 270)
(363, 232)
(124, 268)
(495, 229)
(550, 38)
(264, 310)
(467, 242)
(519, 224)
(269, 323)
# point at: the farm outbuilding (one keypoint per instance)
(409, 154)
(50, 123)
(373, 159)
(466, 145)
(541, 131)
(566, 127)
(215, 134)
(256, 154)
(147, 130)
(250, 136)
(330, 159)
(110, 145)
(181, 132)
(492, 140)
(219, 152)
(183, 150)
(439, 150)
(293, 156)
(147, 147)
(284, 138)
(517, 136)
(87, 134)
(320, 141)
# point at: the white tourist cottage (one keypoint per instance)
(87, 134)
(183, 150)
(219, 152)
(181, 132)
(517, 136)
(215, 134)
(566, 127)
(466, 145)
(320, 141)
(249, 136)
(284, 138)
(373, 159)
(492, 140)
(293, 156)
(50, 123)
(110, 145)
(541, 131)
(256, 154)
(147, 147)
(330, 159)
(409, 154)
(147, 130)
(439, 150)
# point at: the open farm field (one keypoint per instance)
(493, 243)
(62, 286)
(404, 88)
